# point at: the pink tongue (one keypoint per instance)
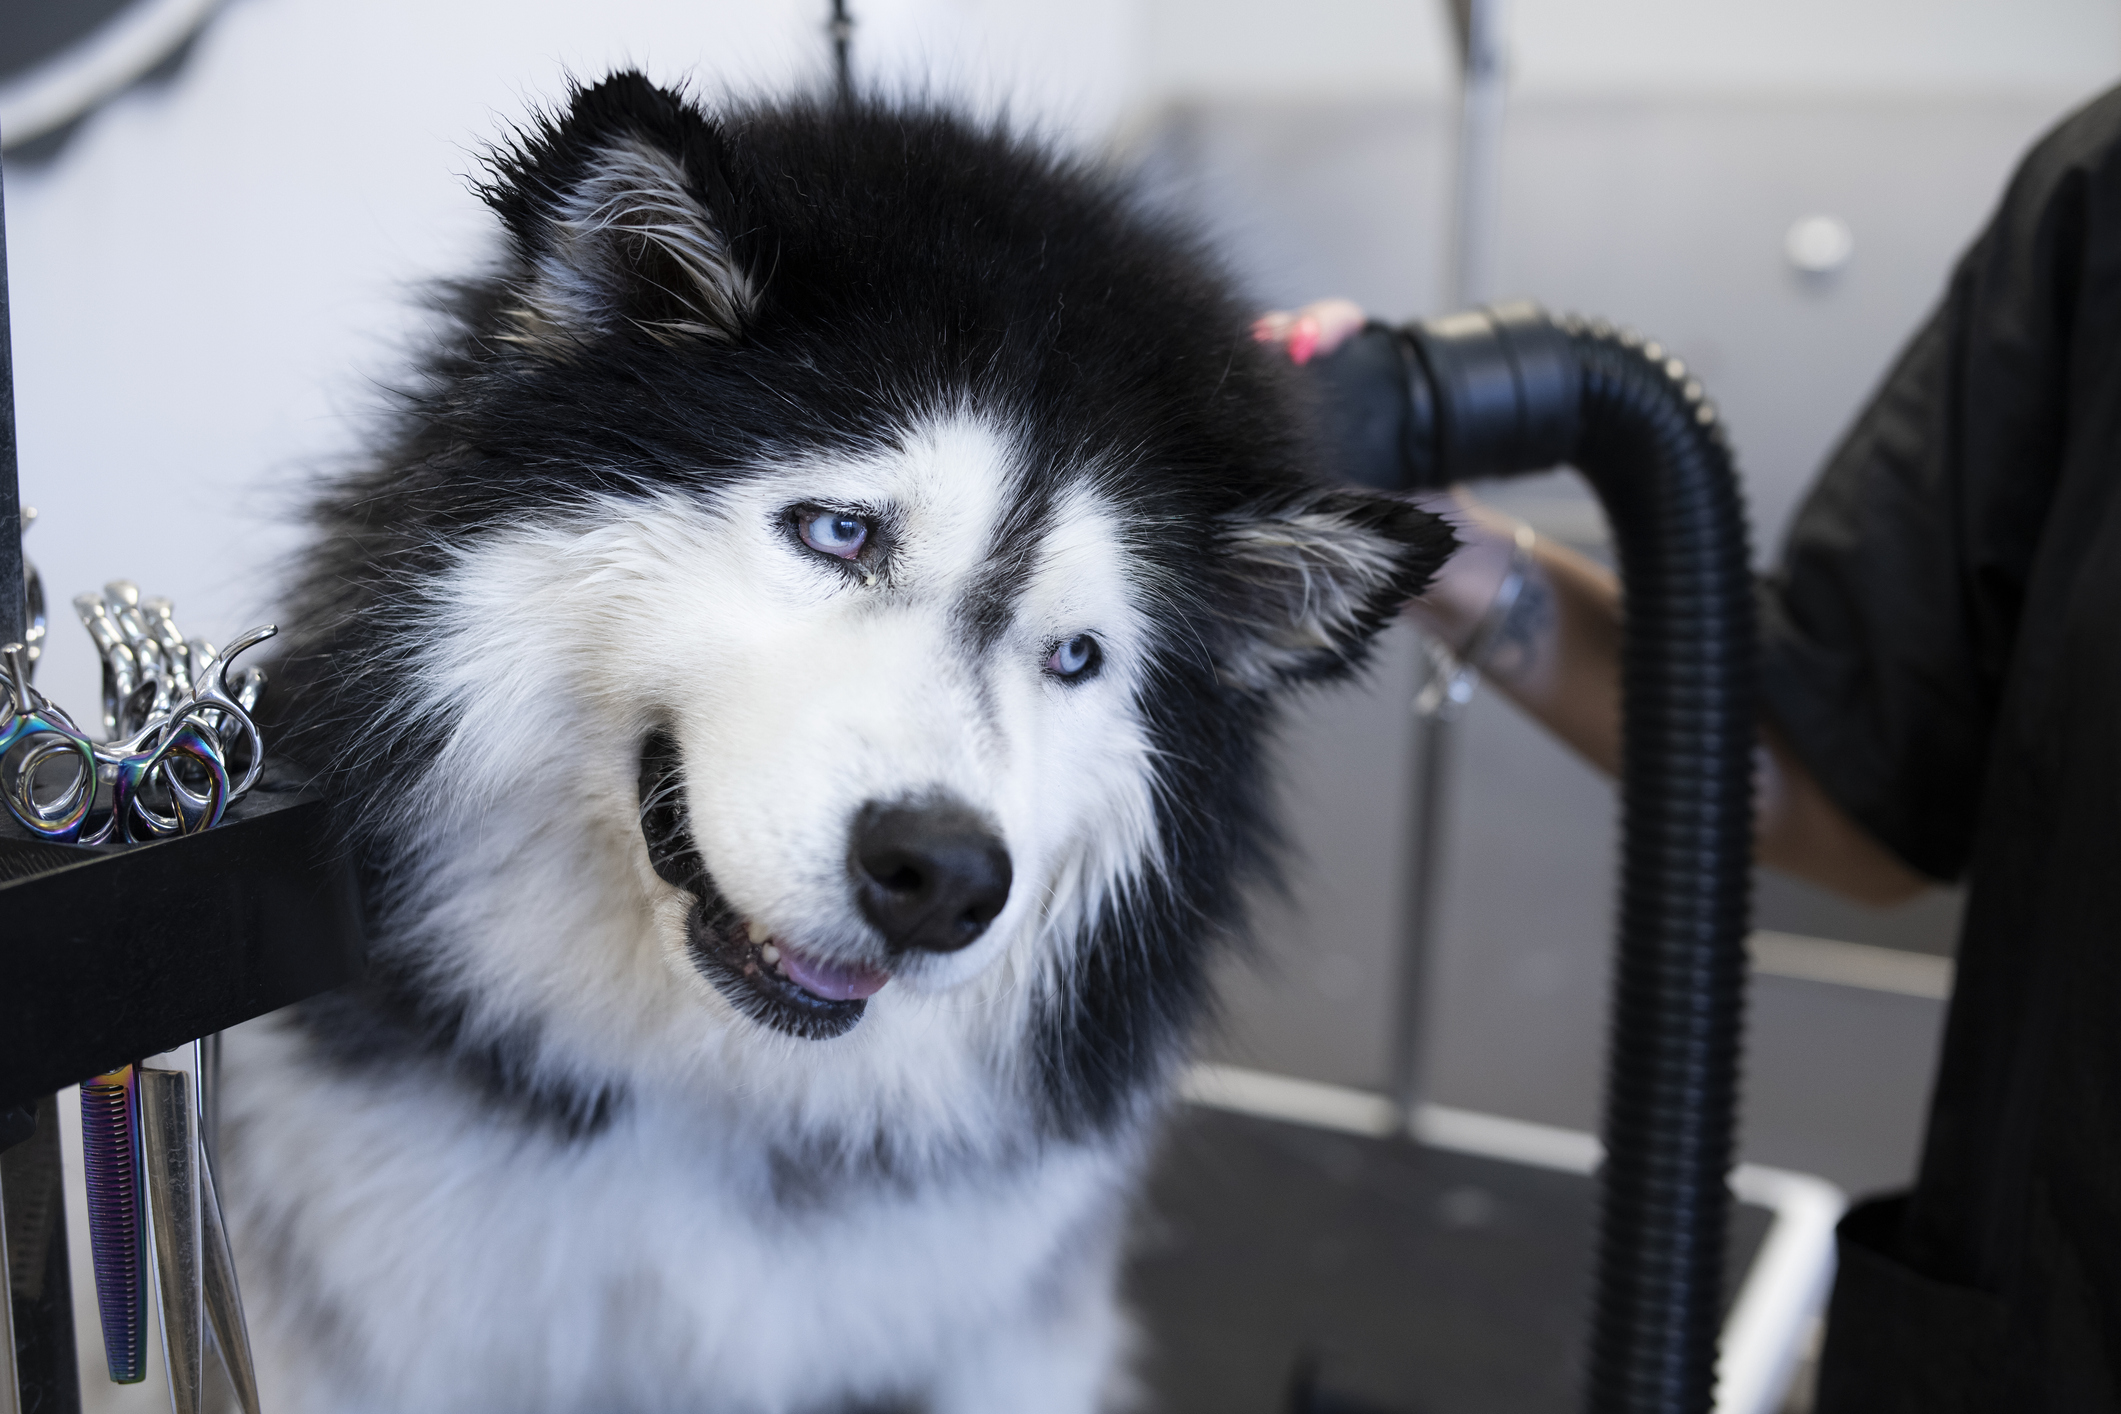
(834, 981)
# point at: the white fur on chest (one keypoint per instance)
(402, 1251)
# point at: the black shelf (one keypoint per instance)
(108, 954)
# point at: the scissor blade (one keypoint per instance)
(173, 1202)
(224, 1302)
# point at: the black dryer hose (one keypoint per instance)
(1506, 390)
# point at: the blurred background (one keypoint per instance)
(220, 215)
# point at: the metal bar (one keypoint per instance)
(1478, 25)
(173, 1200)
(1483, 88)
(1434, 750)
(14, 619)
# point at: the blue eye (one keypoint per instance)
(1075, 660)
(833, 533)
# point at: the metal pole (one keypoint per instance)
(841, 28)
(1478, 26)
(1482, 91)
(37, 1373)
(14, 619)
(1433, 742)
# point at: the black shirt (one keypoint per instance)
(1943, 650)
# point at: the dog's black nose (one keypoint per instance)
(930, 877)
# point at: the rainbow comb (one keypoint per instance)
(117, 1228)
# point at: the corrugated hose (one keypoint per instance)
(1506, 390)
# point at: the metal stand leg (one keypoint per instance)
(1448, 686)
(1435, 741)
(40, 1369)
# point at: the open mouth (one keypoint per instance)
(765, 978)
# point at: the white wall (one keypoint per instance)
(1776, 46)
(211, 276)
(1358, 49)
(1370, 48)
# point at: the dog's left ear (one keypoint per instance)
(1318, 576)
(616, 213)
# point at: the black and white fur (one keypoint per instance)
(602, 718)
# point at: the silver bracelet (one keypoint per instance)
(1453, 676)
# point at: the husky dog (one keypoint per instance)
(797, 672)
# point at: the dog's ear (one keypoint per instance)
(1318, 576)
(616, 210)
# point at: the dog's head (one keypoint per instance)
(835, 586)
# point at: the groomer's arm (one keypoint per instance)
(1557, 655)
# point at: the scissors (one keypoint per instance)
(173, 719)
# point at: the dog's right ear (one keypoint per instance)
(612, 211)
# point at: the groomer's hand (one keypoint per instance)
(1557, 655)
(1313, 330)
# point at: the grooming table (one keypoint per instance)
(1297, 1256)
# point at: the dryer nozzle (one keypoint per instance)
(1488, 392)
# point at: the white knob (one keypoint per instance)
(1819, 245)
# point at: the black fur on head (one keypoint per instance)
(612, 216)
(685, 298)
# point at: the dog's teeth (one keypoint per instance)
(757, 932)
(772, 955)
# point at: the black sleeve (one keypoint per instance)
(1890, 626)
